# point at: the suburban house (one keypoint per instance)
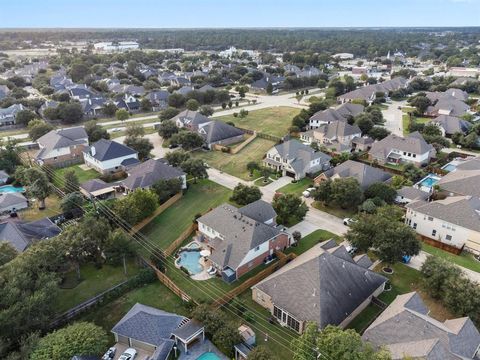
(295, 159)
(366, 175)
(362, 143)
(450, 102)
(406, 330)
(190, 119)
(153, 332)
(158, 99)
(92, 107)
(395, 149)
(108, 157)
(324, 285)
(241, 238)
(464, 180)
(219, 133)
(21, 234)
(12, 202)
(9, 114)
(337, 135)
(450, 125)
(144, 175)
(452, 223)
(62, 147)
(369, 93)
(408, 194)
(341, 113)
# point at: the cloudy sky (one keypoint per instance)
(238, 13)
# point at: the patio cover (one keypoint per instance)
(188, 332)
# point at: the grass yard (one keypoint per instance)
(365, 318)
(406, 122)
(93, 281)
(334, 210)
(199, 198)
(52, 207)
(312, 239)
(464, 259)
(236, 165)
(155, 295)
(82, 175)
(296, 188)
(273, 121)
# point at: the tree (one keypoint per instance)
(192, 105)
(118, 246)
(421, 103)
(378, 133)
(134, 130)
(324, 192)
(413, 173)
(252, 166)
(382, 191)
(79, 71)
(244, 194)
(269, 88)
(176, 100)
(141, 145)
(176, 158)
(364, 122)
(9, 158)
(70, 113)
(297, 236)
(122, 114)
(136, 206)
(37, 128)
(304, 346)
(79, 338)
(167, 129)
(109, 109)
(70, 182)
(7, 252)
(72, 202)
(437, 272)
(146, 105)
(260, 352)
(168, 113)
(95, 132)
(346, 192)
(23, 117)
(187, 139)
(289, 208)
(38, 185)
(195, 168)
(206, 110)
(166, 188)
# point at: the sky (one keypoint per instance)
(237, 13)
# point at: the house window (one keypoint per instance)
(409, 154)
(430, 218)
(277, 313)
(414, 155)
(293, 324)
(448, 237)
(434, 232)
(404, 153)
(257, 248)
(414, 225)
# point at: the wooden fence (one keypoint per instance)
(157, 212)
(236, 149)
(282, 260)
(178, 241)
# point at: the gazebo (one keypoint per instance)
(188, 332)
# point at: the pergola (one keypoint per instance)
(188, 333)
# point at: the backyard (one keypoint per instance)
(52, 208)
(236, 165)
(406, 122)
(311, 240)
(82, 175)
(273, 121)
(199, 198)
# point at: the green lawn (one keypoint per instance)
(334, 210)
(296, 188)
(155, 295)
(236, 165)
(82, 175)
(199, 198)
(273, 121)
(464, 259)
(52, 208)
(405, 124)
(93, 281)
(312, 239)
(365, 318)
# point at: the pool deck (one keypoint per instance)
(202, 275)
(199, 348)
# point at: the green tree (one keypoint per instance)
(165, 188)
(176, 100)
(421, 103)
(436, 273)
(134, 130)
(122, 114)
(378, 133)
(382, 191)
(136, 206)
(70, 182)
(79, 338)
(7, 252)
(195, 168)
(364, 122)
(167, 129)
(269, 88)
(260, 352)
(206, 110)
(176, 158)
(168, 113)
(109, 109)
(9, 157)
(346, 192)
(413, 173)
(38, 185)
(141, 145)
(304, 346)
(37, 128)
(289, 208)
(323, 192)
(188, 140)
(71, 202)
(118, 246)
(95, 132)
(23, 117)
(244, 194)
(79, 71)
(70, 113)
(192, 105)
(252, 166)
(145, 105)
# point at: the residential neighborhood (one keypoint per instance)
(240, 192)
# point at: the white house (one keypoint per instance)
(108, 157)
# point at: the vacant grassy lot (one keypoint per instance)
(273, 121)
(296, 188)
(82, 175)
(93, 281)
(199, 198)
(236, 165)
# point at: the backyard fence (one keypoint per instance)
(269, 137)
(237, 149)
(184, 235)
(282, 260)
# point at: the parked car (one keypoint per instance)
(110, 354)
(351, 249)
(307, 193)
(349, 221)
(128, 354)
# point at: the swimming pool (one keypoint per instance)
(11, 189)
(449, 167)
(189, 259)
(208, 356)
(427, 183)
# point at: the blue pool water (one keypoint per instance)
(189, 260)
(429, 181)
(10, 189)
(208, 356)
(449, 167)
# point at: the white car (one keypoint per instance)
(349, 221)
(128, 354)
(307, 193)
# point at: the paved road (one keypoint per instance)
(393, 117)
(462, 151)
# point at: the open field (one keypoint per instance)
(236, 165)
(273, 121)
(199, 198)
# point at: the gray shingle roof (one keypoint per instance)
(349, 109)
(21, 235)
(94, 185)
(147, 324)
(452, 124)
(60, 138)
(330, 289)
(327, 116)
(406, 329)
(366, 175)
(108, 150)
(464, 180)
(299, 155)
(414, 143)
(259, 210)
(146, 174)
(9, 199)
(191, 118)
(409, 192)
(338, 129)
(215, 131)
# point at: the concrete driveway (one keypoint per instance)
(393, 117)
